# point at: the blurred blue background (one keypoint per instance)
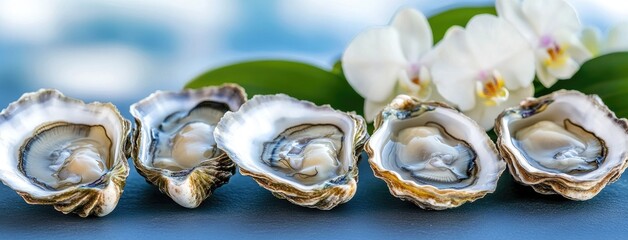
(120, 50)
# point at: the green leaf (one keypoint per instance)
(606, 76)
(298, 80)
(459, 16)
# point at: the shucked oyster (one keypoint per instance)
(174, 142)
(299, 151)
(432, 155)
(566, 143)
(60, 151)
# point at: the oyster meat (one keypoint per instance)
(174, 142)
(306, 152)
(566, 143)
(557, 149)
(60, 151)
(432, 155)
(301, 152)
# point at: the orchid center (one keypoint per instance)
(416, 81)
(556, 54)
(491, 88)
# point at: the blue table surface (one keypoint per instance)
(242, 209)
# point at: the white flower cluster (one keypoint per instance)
(481, 69)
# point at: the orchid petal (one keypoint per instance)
(453, 71)
(426, 89)
(578, 51)
(493, 40)
(424, 74)
(452, 30)
(372, 61)
(408, 86)
(434, 53)
(456, 85)
(415, 34)
(510, 10)
(372, 109)
(617, 38)
(547, 16)
(518, 70)
(485, 115)
(544, 76)
(565, 71)
(574, 46)
(590, 37)
(428, 58)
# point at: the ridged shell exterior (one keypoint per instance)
(190, 187)
(324, 196)
(98, 198)
(569, 186)
(423, 195)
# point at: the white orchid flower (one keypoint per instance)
(552, 28)
(383, 62)
(484, 68)
(615, 41)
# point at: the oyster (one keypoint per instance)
(432, 155)
(301, 152)
(60, 151)
(174, 142)
(565, 142)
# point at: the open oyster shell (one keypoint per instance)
(565, 142)
(60, 151)
(301, 152)
(174, 142)
(432, 155)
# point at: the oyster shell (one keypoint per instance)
(301, 152)
(432, 155)
(565, 142)
(174, 142)
(60, 151)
